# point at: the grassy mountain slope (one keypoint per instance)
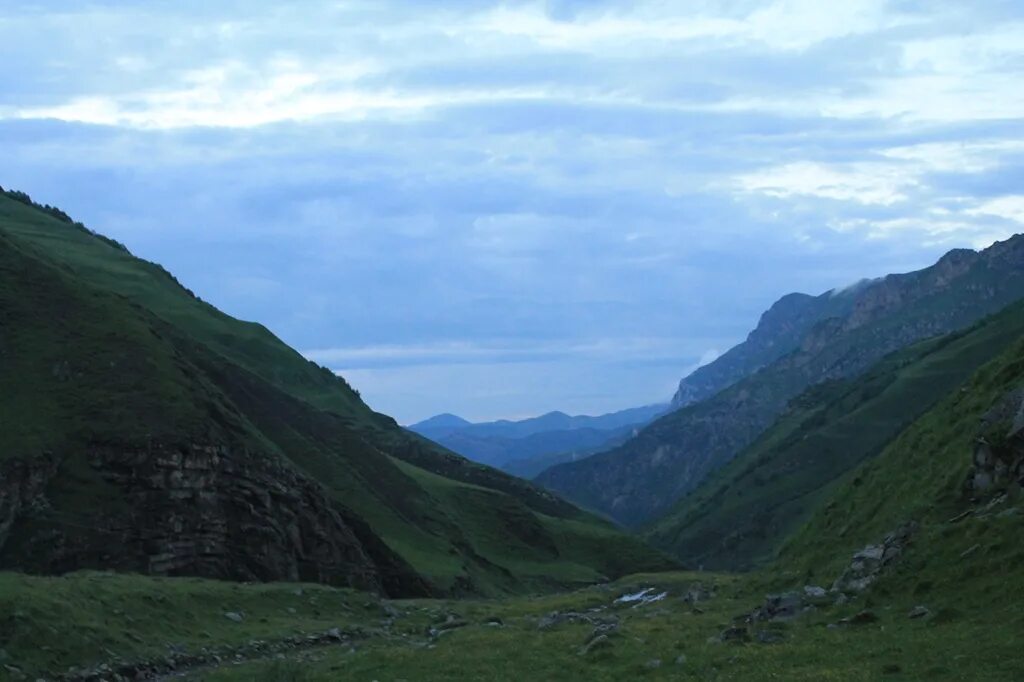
(138, 417)
(531, 467)
(920, 476)
(641, 479)
(742, 513)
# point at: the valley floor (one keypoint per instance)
(99, 626)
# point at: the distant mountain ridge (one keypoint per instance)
(505, 443)
(833, 336)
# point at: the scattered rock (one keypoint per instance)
(814, 592)
(681, 659)
(450, 623)
(556, 618)
(735, 634)
(603, 630)
(653, 664)
(553, 619)
(778, 607)
(919, 612)
(234, 616)
(599, 642)
(998, 458)
(495, 622)
(698, 592)
(869, 563)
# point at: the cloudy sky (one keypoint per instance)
(499, 209)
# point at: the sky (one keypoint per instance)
(501, 209)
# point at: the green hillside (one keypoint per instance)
(741, 515)
(921, 476)
(144, 430)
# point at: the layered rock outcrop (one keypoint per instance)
(194, 509)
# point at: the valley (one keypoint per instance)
(525, 341)
(182, 496)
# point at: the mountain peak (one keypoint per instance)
(443, 420)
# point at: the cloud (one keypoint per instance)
(1008, 207)
(864, 183)
(556, 204)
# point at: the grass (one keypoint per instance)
(53, 623)
(48, 624)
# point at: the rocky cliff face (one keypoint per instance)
(778, 332)
(21, 489)
(193, 509)
(998, 458)
(645, 476)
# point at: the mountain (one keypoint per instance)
(741, 514)
(143, 430)
(552, 437)
(642, 478)
(550, 421)
(439, 424)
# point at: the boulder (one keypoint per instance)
(596, 644)
(814, 592)
(919, 612)
(778, 607)
(870, 562)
